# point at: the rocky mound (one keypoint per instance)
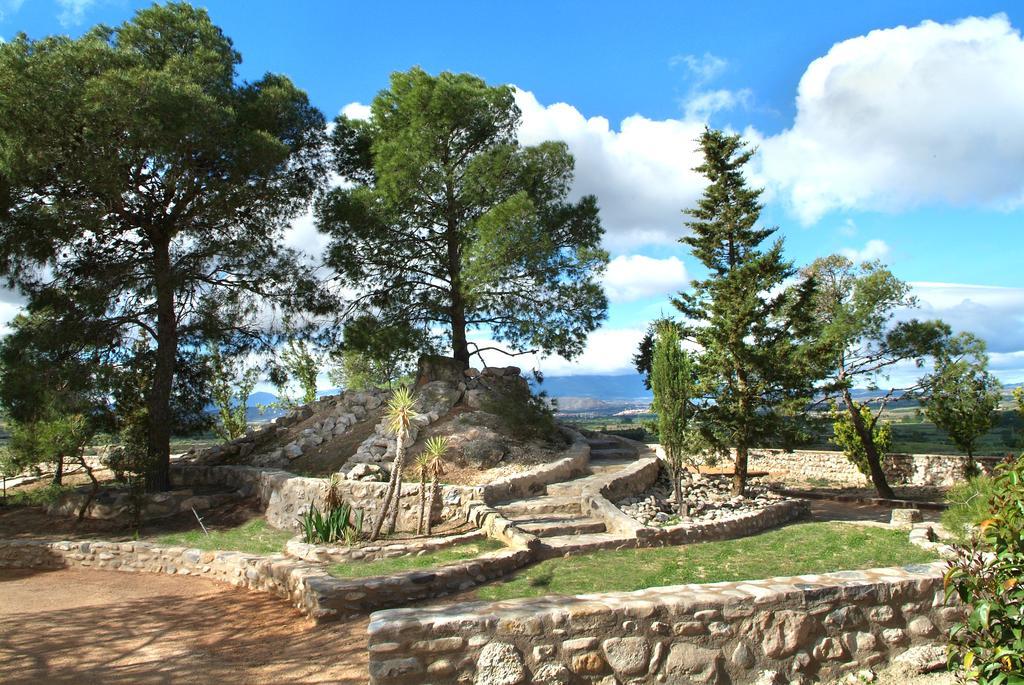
(705, 498)
(346, 434)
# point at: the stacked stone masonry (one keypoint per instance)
(937, 470)
(305, 585)
(778, 630)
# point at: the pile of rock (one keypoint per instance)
(704, 498)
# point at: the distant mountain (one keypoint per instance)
(620, 387)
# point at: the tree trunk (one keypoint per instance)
(739, 476)
(158, 448)
(867, 440)
(430, 503)
(397, 501)
(423, 502)
(677, 491)
(385, 505)
(457, 310)
(58, 472)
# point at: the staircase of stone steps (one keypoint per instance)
(555, 517)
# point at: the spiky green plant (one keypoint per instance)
(398, 417)
(436, 449)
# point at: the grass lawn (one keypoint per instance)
(254, 537)
(381, 567)
(793, 550)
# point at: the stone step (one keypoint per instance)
(602, 444)
(568, 545)
(540, 505)
(544, 527)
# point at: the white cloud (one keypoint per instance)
(872, 250)
(995, 314)
(634, 277)
(72, 12)
(702, 104)
(703, 68)
(907, 116)
(356, 110)
(642, 173)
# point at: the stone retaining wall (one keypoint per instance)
(780, 630)
(286, 497)
(532, 482)
(385, 549)
(937, 470)
(307, 586)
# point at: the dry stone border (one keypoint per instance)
(934, 470)
(777, 630)
(305, 585)
(383, 549)
(120, 504)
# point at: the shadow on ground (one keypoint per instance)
(97, 626)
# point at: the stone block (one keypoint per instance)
(627, 656)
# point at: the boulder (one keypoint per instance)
(433, 368)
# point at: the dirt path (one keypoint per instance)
(96, 626)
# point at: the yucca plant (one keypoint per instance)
(399, 415)
(338, 521)
(431, 463)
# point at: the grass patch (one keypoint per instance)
(382, 567)
(794, 550)
(968, 505)
(254, 537)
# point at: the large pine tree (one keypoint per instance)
(755, 365)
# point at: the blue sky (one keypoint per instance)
(885, 129)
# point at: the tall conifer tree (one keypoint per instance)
(756, 336)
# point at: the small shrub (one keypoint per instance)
(968, 505)
(525, 415)
(986, 575)
(338, 522)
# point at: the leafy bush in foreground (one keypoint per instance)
(968, 505)
(986, 575)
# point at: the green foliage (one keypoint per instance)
(673, 378)
(252, 537)
(452, 224)
(300, 363)
(963, 395)
(146, 189)
(377, 355)
(969, 503)
(789, 551)
(756, 335)
(525, 415)
(338, 522)
(847, 438)
(230, 387)
(1018, 397)
(859, 342)
(335, 525)
(400, 412)
(986, 575)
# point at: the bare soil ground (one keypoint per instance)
(88, 626)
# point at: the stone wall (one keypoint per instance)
(120, 504)
(778, 630)
(938, 470)
(306, 586)
(532, 482)
(384, 549)
(286, 497)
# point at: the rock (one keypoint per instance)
(437, 368)
(769, 678)
(922, 627)
(476, 399)
(742, 657)
(789, 630)
(918, 660)
(905, 518)
(499, 663)
(293, 450)
(627, 655)
(690, 663)
(552, 674)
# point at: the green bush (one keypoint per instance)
(968, 505)
(525, 415)
(986, 575)
(341, 524)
